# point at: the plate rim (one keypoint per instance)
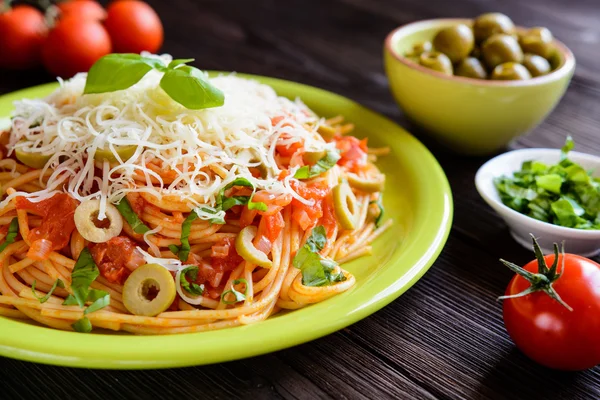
(13, 346)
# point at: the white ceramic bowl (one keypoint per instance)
(577, 241)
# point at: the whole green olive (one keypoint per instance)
(455, 41)
(536, 65)
(490, 24)
(510, 71)
(419, 48)
(537, 41)
(501, 48)
(436, 61)
(470, 67)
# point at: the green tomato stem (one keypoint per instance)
(543, 279)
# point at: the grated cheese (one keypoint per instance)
(176, 147)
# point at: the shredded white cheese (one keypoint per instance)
(188, 153)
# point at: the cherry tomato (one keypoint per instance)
(549, 332)
(74, 45)
(83, 9)
(134, 27)
(22, 32)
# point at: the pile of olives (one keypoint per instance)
(490, 49)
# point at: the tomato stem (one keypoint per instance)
(544, 278)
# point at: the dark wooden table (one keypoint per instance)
(444, 338)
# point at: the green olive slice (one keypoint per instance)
(245, 248)
(369, 184)
(311, 157)
(33, 160)
(326, 132)
(149, 290)
(345, 205)
(125, 152)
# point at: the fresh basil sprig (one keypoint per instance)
(57, 283)
(191, 287)
(183, 83)
(13, 231)
(316, 271)
(325, 163)
(131, 217)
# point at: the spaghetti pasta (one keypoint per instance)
(187, 195)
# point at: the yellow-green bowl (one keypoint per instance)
(470, 116)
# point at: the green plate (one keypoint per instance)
(417, 197)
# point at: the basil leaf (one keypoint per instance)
(189, 87)
(191, 287)
(237, 295)
(82, 325)
(180, 61)
(325, 163)
(99, 298)
(225, 203)
(57, 283)
(118, 71)
(379, 203)
(316, 271)
(317, 239)
(131, 217)
(183, 251)
(84, 273)
(11, 235)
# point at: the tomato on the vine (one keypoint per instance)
(74, 45)
(553, 313)
(22, 32)
(83, 9)
(133, 27)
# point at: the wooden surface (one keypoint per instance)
(444, 338)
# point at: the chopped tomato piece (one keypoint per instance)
(247, 217)
(288, 149)
(114, 257)
(137, 203)
(353, 152)
(58, 220)
(270, 226)
(222, 264)
(328, 220)
(307, 215)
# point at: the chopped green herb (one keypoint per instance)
(316, 271)
(191, 287)
(131, 217)
(379, 203)
(184, 84)
(237, 295)
(57, 283)
(183, 251)
(84, 273)
(82, 325)
(325, 163)
(11, 235)
(563, 194)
